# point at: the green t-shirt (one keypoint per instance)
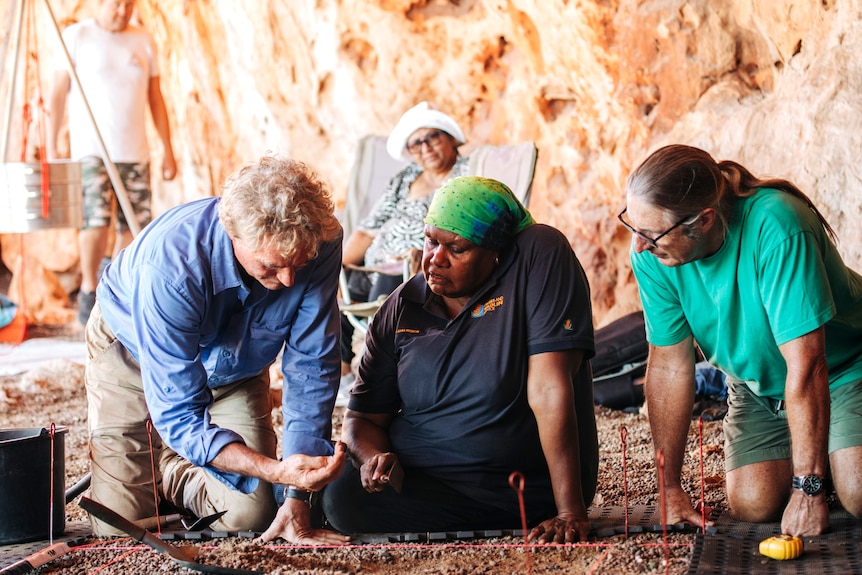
(776, 277)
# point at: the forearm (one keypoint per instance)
(355, 247)
(551, 398)
(56, 110)
(160, 114)
(807, 403)
(669, 388)
(558, 433)
(806, 393)
(808, 419)
(163, 128)
(239, 458)
(363, 437)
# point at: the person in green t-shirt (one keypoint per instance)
(746, 272)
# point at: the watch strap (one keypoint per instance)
(810, 485)
(296, 493)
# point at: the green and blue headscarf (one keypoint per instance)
(481, 210)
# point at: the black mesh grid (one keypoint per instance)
(735, 549)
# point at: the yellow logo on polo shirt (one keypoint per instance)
(487, 307)
(567, 325)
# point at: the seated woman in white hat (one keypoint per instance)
(429, 140)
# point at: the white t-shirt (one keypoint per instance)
(114, 69)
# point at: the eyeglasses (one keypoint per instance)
(431, 139)
(688, 220)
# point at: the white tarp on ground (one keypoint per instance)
(15, 359)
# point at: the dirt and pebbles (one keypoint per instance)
(54, 393)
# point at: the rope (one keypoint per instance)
(26, 121)
(26, 110)
(43, 163)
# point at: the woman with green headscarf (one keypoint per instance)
(473, 370)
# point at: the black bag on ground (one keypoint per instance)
(621, 353)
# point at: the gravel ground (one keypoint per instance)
(54, 393)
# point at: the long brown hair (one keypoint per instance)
(685, 180)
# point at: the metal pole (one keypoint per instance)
(119, 188)
(16, 51)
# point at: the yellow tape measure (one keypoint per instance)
(781, 547)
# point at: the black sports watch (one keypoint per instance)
(810, 485)
(297, 493)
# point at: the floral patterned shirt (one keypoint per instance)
(396, 220)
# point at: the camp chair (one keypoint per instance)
(512, 164)
(372, 169)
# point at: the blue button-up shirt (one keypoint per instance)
(177, 301)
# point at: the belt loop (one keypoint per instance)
(779, 406)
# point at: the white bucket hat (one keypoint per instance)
(422, 115)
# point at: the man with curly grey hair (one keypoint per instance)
(187, 321)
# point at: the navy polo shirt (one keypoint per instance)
(459, 387)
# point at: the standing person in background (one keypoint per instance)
(116, 64)
(747, 270)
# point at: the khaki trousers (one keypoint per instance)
(130, 465)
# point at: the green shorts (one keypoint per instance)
(100, 201)
(756, 429)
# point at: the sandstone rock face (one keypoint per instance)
(596, 84)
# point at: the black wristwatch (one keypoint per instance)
(297, 493)
(810, 485)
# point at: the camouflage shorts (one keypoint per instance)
(100, 201)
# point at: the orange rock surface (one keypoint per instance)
(596, 84)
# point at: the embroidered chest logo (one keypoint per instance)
(567, 325)
(487, 307)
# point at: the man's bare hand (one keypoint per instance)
(293, 524)
(312, 472)
(805, 515)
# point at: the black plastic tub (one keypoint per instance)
(27, 463)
